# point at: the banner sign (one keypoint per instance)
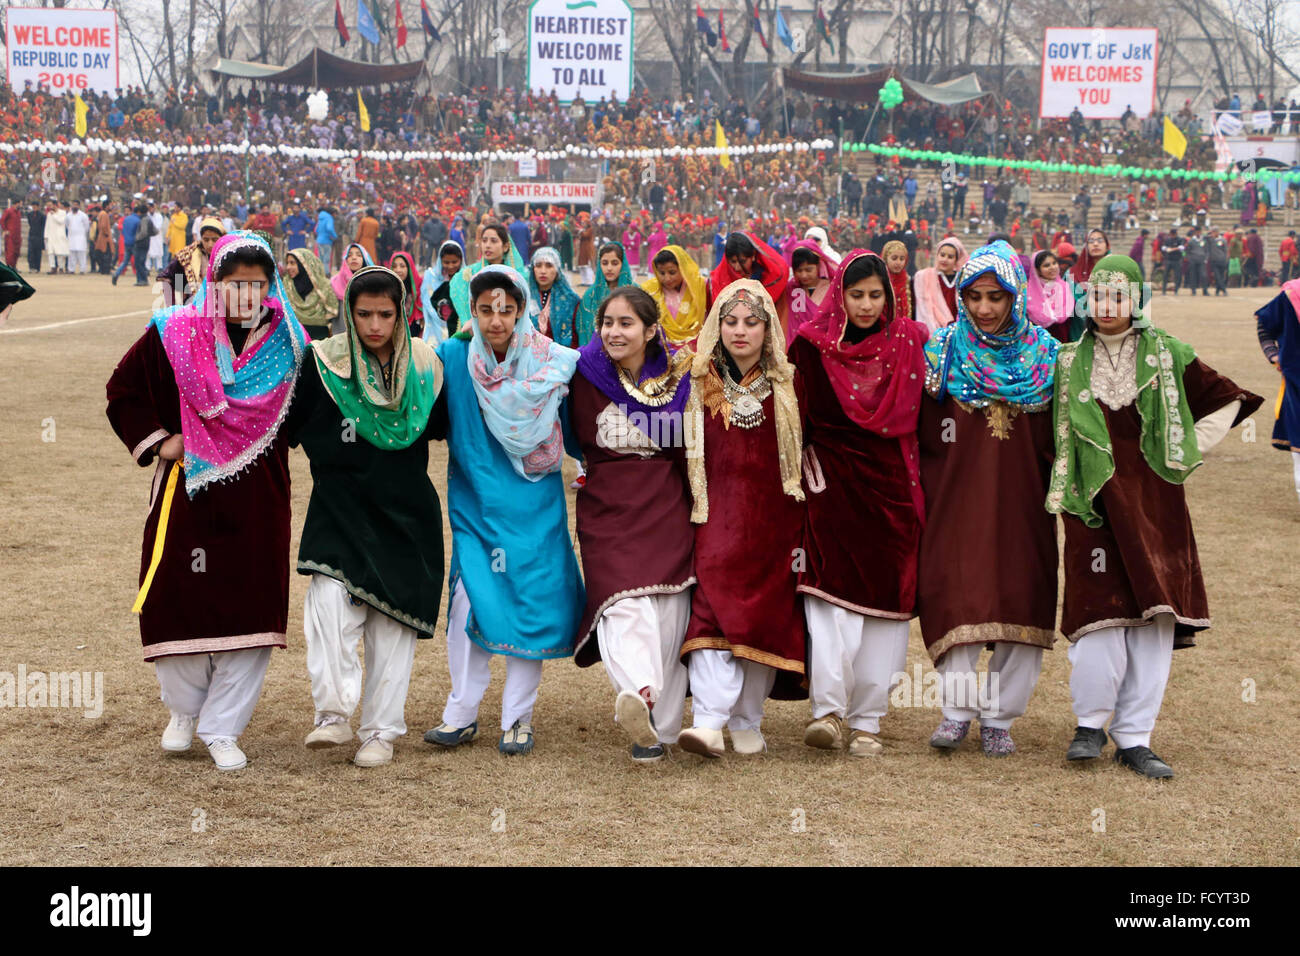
(580, 48)
(1271, 150)
(1101, 70)
(61, 49)
(585, 194)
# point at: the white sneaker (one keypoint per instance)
(375, 752)
(179, 733)
(633, 715)
(330, 731)
(748, 742)
(226, 754)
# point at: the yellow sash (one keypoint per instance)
(158, 539)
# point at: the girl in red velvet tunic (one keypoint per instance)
(204, 391)
(1135, 411)
(861, 376)
(743, 453)
(986, 454)
(626, 404)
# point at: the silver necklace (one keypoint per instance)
(746, 401)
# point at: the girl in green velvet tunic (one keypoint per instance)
(367, 406)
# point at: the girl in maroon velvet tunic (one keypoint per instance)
(1135, 410)
(861, 376)
(986, 453)
(634, 533)
(743, 451)
(205, 391)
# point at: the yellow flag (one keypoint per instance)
(720, 140)
(363, 113)
(82, 110)
(1175, 142)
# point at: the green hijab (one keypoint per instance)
(1085, 460)
(320, 304)
(391, 419)
(459, 290)
(598, 290)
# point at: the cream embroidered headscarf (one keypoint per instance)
(707, 392)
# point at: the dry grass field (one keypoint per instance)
(101, 792)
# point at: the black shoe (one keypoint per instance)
(647, 754)
(1087, 743)
(1142, 760)
(115, 280)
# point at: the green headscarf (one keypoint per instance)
(389, 419)
(459, 290)
(320, 304)
(1084, 457)
(598, 290)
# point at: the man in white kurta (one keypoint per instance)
(78, 227)
(56, 238)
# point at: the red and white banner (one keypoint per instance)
(1101, 70)
(61, 49)
(586, 194)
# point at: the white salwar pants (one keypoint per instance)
(1012, 676)
(220, 689)
(334, 626)
(1295, 468)
(728, 691)
(1122, 671)
(855, 659)
(640, 641)
(471, 672)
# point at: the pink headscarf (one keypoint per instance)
(801, 308)
(1048, 303)
(341, 278)
(231, 405)
(931, 306)
(658, 239)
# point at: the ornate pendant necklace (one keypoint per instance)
(746, 401)
(653, 392)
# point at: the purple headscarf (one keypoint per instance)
(595, 365)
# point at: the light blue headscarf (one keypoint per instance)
(977, 367)
(520, 396)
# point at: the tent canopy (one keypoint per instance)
(864, 87)
(322, 70)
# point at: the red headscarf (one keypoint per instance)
(879, 381)
(774, 272)
(1082, 268)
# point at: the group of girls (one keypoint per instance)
(782, 470)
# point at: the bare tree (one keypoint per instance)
(669, 15)
(1276, 41)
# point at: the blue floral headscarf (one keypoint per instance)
(520, 394)
(979, 368)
